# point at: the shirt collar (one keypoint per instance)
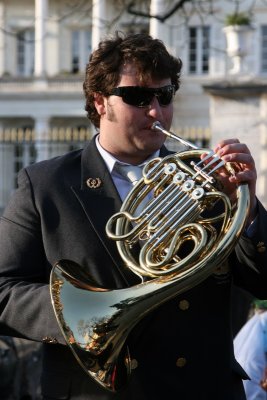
(110, 160)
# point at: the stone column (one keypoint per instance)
(158, 29)
(2, 40)
(42, 142)
(238, 109)
(7, 170)
(59, 143)
(40, 37)
(98, 22)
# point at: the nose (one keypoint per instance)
(154, 109)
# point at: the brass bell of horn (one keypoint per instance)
(186, 227)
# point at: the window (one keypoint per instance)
(25, 52)
(264, 48)
(81, 49)
(199, 50)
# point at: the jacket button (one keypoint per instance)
(184, 305)
(134, 363)
(261, 247)
(181, 362)
(131, 363)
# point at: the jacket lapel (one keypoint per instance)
(100, 199)
(97, 195)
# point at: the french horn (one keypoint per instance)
(185, 225)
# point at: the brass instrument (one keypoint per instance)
(183, 238)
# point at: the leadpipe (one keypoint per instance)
(157, 126)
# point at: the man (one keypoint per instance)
(184, 349)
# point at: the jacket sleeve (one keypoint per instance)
(250, 258)
(25, 306)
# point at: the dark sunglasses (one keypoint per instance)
(140, 96)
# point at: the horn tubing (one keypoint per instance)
(156, 126)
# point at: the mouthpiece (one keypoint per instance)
(156, 126)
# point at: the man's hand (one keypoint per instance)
(232, 151)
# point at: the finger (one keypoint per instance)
(244, 160)
(224, 143)
(243, 176)
(233, 148)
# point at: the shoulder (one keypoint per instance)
(43, 176)
(55, 163)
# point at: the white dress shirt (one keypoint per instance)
(250, 346)
(122, 184)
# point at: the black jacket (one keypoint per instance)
(184, 349)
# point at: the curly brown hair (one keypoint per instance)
(150, 57)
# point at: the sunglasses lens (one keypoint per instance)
(165, 96)
(137, 96)
(141, 97)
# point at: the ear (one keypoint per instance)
(99, 103)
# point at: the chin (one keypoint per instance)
(148, 150)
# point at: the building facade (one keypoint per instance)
(45, 45)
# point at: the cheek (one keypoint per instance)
(169, 111)
(168, 116)
(111, 115)
(129, 117)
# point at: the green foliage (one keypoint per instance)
(237, 19)
(260, 304)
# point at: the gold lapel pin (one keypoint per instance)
(93, 183)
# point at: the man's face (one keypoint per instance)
(125, 130)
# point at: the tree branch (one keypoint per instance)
(161, 18)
